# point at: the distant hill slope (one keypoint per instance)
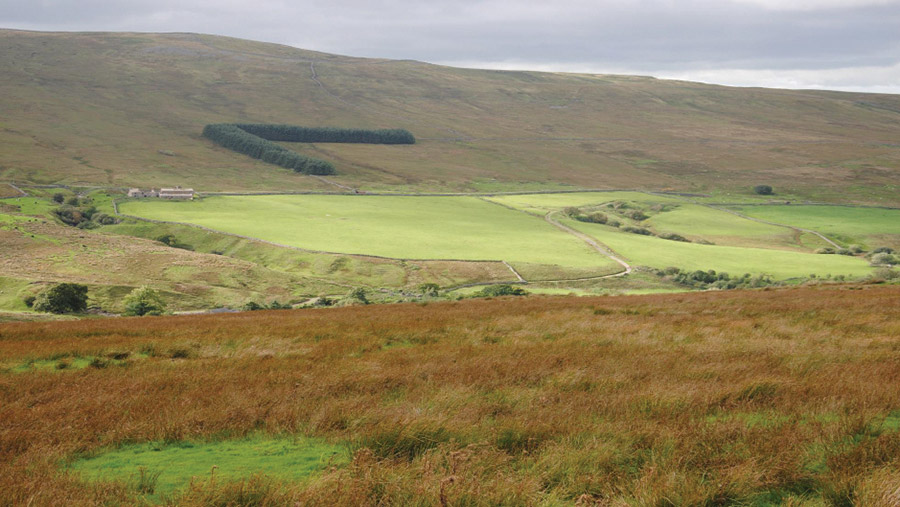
(128, 109)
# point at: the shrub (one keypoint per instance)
(69, 215)
(763, 190)
(144, 301)
(501, 290)
(637, 230)
(72, 201)
(252, 306)
(636, 215)
(62, 298)
(674, 237)
(59, 198)
(825, 251)
(884, 259)
(429, 289)
(359, 295)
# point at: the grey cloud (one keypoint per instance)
(645, 36)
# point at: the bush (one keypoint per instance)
(144, 301)
(763, 190)
(501, 290)
(637, 230)
(62, 298)
(636, 215)
(58, 198)
(674, 237)
(429, 289)
(826, 251)
(359, 295)
(884, 259)
(70, 215)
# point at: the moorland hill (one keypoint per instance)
(122, 109)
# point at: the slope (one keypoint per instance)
(128, 109)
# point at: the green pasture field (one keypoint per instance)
(722, 228)
(542, 203)
(463, 228)
(661, 253)
(869, 227)
(690, 220)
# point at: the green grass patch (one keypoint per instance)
(154, 469)
(660, 253)
(399, 227)
(542, 203)
(70, 363)
(866, 226)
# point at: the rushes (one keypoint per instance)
(744, 397)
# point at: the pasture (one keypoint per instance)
(470, 228)
(465, 228)
(868, 227)
(660, 253)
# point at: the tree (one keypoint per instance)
(144, 301)
(430, 289)
(763, 189)
(62, 298)
(359, 294)
(58, 198)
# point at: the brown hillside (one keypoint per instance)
(127, 109)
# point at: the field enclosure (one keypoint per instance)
(869, 227)
(464, 228)
(514, 229)
(765, 397)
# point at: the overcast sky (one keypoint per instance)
(834, 44)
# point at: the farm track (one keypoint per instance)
(602, 249)
(799, 229)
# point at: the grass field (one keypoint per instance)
(399, 227)
(661, 253)
(868, 227)
(469, 228)
(768, 397)
(679, 216)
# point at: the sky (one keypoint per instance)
(851, 45)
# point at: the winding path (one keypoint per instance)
(592, 243)
(801, 229)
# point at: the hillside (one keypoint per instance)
(128, 109)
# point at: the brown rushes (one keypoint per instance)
(685, 399)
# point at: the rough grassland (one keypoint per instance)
(761, 397)
(661, 253)
(869, 227)
(127, 109)
(399, 227)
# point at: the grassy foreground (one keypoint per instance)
(748, 397)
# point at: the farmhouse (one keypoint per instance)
(176, 193)
(136, 192)
(163, 193)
